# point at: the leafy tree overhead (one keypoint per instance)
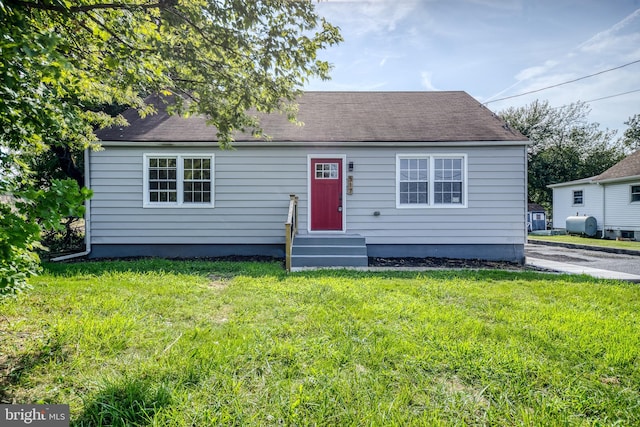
(61, 59)
(631, 136)
(564, 145)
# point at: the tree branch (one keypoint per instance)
(161, 4)
(66, 162)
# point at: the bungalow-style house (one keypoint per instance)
(612, 198)
(374, 174)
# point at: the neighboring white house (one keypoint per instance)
(419, 174)
(612, 198)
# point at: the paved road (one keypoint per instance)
(588, 258)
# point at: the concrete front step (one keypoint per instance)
(298, 261)
(329, 240)
(329, 251)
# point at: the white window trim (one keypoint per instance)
(431, 183)
(573, 197)
(180, 180)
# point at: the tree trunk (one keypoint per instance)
(68, 165)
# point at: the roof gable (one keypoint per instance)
(627, 167)
(342, 117)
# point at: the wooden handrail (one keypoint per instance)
(291, 228)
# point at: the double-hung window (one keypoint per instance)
(635, 193)
(425, 180)
(172, 180)
(413, 183)
(447, 181)
(578, 198)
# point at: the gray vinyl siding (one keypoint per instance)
(252, 187)
(244, 212)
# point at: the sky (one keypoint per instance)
(491, 49)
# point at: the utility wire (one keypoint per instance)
(563, 83)
(600, 99)
(613, 96)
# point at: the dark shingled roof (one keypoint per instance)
(534, 207)
(342, 117)
(627, 167)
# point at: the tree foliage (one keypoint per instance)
(631, 136)
(564, 145)
(61, 60)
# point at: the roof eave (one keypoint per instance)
(589, 180)
(314, 143)
(618, 179)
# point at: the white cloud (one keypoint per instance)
(364, 17)
(603, 41)
(531, 72)
(426, 80)
(509, 5)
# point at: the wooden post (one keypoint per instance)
(290, 229)
(287, 228)
(295, 215)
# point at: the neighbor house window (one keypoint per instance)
(635, 193)
(178, 180)
(431, 181)
(578, 197)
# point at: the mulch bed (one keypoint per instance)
(445, 263)
(429, 262)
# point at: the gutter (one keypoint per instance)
(87, 216)
(308, 144)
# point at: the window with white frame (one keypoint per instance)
(447, 181)
(578, 197)
(430, 180)
(635, 193)
(327, 171)
(413, 183)
(178, 180)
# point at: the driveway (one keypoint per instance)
(593, 259)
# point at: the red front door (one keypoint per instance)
(326, 194)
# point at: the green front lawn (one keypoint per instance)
(589, 241)
(195, 343)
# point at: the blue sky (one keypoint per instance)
(491, 49)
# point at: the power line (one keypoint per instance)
(600, 99)
(563, 83)
(613, 96)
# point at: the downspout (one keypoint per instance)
(87, 216)
(526, 199)
(604, 209)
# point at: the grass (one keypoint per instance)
(589, 241)
(197, 343)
